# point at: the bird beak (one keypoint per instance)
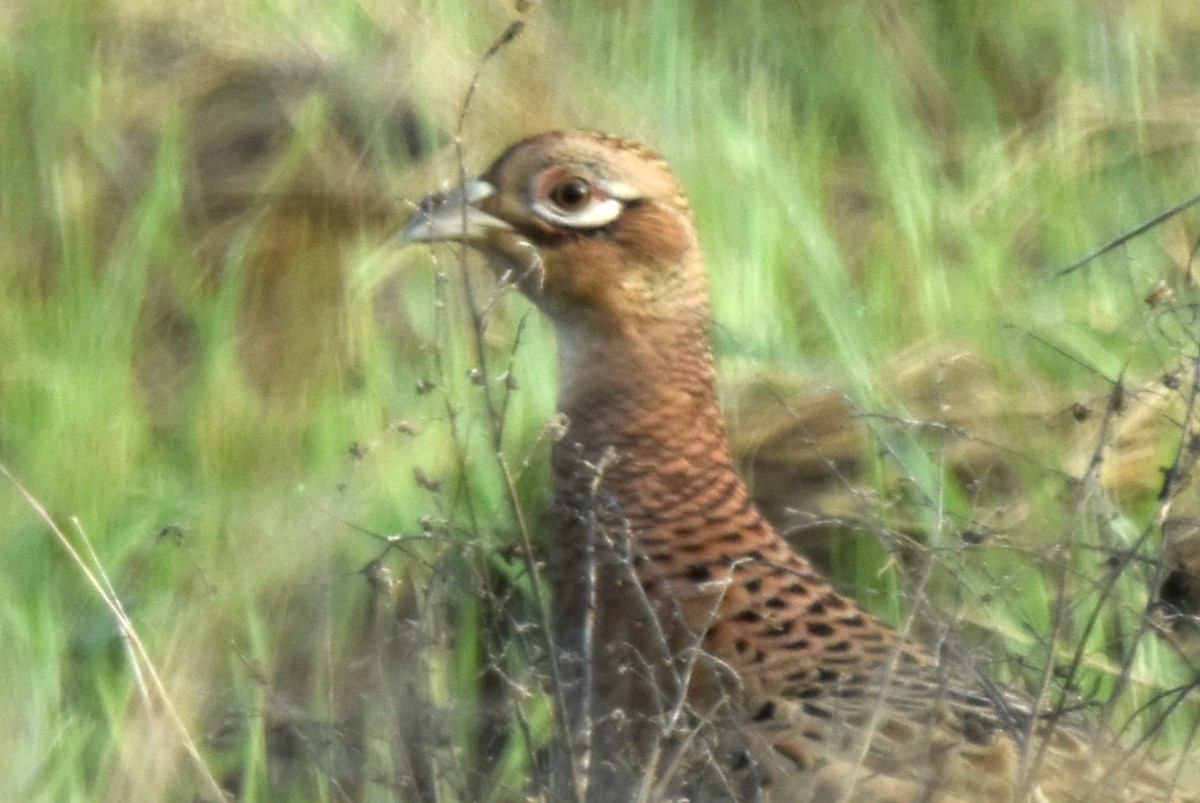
(453, 215)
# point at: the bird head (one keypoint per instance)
(593, 228)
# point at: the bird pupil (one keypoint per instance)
(571, 193)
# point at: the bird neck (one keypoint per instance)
(643, 450)
(644, 390)
(657, 547)
(645, 457)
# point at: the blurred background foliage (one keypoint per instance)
(311, 464)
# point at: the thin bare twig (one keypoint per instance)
(1129, 235)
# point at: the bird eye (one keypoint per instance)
(571, 194)
(569, 197)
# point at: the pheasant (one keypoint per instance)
(697, 656)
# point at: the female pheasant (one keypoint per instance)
(698, 656)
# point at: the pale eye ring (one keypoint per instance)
(570, 198)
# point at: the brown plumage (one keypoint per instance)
(698, 656)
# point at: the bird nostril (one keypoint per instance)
(432, 202)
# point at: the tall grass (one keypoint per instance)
(320, 502)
